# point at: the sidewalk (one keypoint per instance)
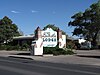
(88, 52)
(65, 59)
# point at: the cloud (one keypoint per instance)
(15, 12)
(33, 11)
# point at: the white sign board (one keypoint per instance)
(49, 37)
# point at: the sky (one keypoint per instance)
(29, 14)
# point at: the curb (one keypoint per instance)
(48, 55)
(21, 57)
(89, 56)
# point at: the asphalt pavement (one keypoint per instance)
(16, 66)
(85, 57)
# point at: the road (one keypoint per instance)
(16, 66)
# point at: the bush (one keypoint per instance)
(48, 50)
(57, 51)
(8, 47)
(69, 52)
(2, 47)
(24, 46)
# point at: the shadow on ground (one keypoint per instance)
(89, 56)
(23, 54)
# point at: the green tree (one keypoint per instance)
(87, 23)
(55, 28)
(7, 30)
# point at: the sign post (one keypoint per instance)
(47, 38)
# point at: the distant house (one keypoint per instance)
(20, 40)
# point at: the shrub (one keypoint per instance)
(8, 47)
(25, 46)
(2, 47)
(69, 52)
(48, 50)
(57, 51)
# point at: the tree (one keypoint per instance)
(87, 23)
(20, 32)
(7, 30)
(55, 28)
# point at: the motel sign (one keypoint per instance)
(47, 38)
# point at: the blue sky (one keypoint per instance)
(29, 14)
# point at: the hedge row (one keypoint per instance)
(8, 47)
(56, 51)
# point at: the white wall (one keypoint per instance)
(62, 41)
(81, 40)
(38, 47)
